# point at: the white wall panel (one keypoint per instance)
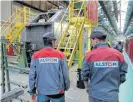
(5, 10)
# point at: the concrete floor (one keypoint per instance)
(72, 95)
(126, 89)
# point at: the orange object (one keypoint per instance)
(10, 51)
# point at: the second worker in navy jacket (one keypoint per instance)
(104, 69)
(48, 73)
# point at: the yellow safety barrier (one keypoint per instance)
(14, 25)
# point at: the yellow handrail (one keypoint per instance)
(64, 33)
(11, 23)
(14, 17)
(74, 26)
(68, 43)
(8, 20)
(7, 27)
(17, 21)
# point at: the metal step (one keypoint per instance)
(20, 84)
(8, 96)
(66, 42)
(12, 62)
(25, 70)
(14, 57)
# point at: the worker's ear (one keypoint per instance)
(53, 43)
(96, 40)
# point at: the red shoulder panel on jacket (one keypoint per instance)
(104, 54)
(48, 52)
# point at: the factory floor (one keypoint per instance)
(74, 94)
(79, 95)
(126, 89)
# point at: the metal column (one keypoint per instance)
(4, 67)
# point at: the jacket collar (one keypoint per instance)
(101, 44)
(49, 47)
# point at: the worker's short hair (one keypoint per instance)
(101, 38)
(48, 38)
(47, 42)
(98, 34)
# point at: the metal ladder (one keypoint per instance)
(70, 39)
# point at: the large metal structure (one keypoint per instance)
(32, 35)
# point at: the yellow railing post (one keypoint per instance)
(24, 15)
(71, 7)
(80, 50)
(85, 10)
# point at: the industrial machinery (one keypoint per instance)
(69, 26)
(31, 37)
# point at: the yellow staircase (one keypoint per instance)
(15, 32)
(71, 39)
(13, 27)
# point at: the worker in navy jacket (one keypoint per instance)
(48, 77)
(104, 69)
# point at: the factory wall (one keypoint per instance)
(129, 48)
(18, 5)
(8, 7)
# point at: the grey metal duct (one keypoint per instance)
(115, 9)
(129, 16)
(105, 24)
(107, 7)
(103, 21)
(129, 36)
(130, 28)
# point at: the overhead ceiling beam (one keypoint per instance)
(53, 3)
(39, 9)
(115, 9)
(129, 15)
(23, 3)
(107, 8)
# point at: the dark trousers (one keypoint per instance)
(50, 98)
